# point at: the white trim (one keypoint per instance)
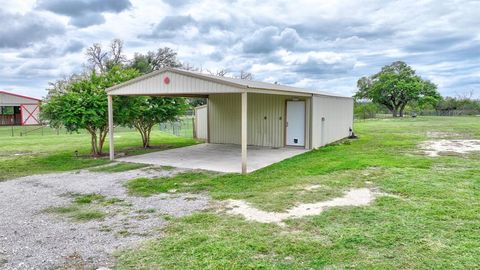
(110, 127)
(244, 132)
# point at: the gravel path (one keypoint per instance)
(31, 238)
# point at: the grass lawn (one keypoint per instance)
(37, 153)
(433, 222)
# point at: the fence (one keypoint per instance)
(44, 130)
(184, 127)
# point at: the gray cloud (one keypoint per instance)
(54, 50)
(84, 13)
(303, 44)
(268, 39)
(436, 41)
(177, 3)
(317, 68)
(169, 26)
(23, 30)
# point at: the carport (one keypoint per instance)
(269, 121)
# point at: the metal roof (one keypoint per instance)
(236, 82)
(17, 95)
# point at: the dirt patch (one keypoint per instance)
(312, 187)
(435, 148)
(447, 135)
(354, 197)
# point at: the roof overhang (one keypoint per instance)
(177, 82)
(19, 96)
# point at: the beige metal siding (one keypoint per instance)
(201, 122)
(338, 114)
(224, 117)
(266, 119)
(179, 85)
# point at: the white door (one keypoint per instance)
(295, 125)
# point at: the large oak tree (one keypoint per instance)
(395, 86)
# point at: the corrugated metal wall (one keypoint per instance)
(338, 114)
(178, 84)
(201, 122)
(224, 118)
(266, 119)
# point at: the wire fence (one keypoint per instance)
(45, 130)
(369, 115)
(184, 127)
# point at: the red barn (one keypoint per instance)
(18, 110)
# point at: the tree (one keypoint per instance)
(163, 57)
(245, 75)
(102, 61)
(83, 105)
(395, 86)
(143, 113)
(365, 110)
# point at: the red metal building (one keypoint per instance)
(18, 110)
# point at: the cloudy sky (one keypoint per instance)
(323, 45)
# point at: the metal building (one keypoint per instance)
(18, 110)
(252, 113)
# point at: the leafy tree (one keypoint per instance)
(163, 57)
(143, 113)
(460, 105)
(364, 110)
(395, 86)
(83, 105)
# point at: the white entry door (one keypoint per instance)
(295, 125)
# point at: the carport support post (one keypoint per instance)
(244, 132)
(110, 127)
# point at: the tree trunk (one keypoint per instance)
(147, 141)
(93, 134)
(103, 135)
(394, 112)
(401, 109)
(142, 131)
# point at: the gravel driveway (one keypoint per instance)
(31, 238)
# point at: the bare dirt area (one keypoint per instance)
(31, 237)
(435, 148)
(353, 197)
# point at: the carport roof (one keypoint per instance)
(233, 84)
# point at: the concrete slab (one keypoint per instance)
(216, 157)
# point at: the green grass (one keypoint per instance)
(433, 223)
(84, 207)
(34, 153)
(77, 213)
(147, 187)
(88, 214)
(119, 167)
(88, 198)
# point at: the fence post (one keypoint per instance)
(12, 132)
(193, 127)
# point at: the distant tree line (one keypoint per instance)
(79, 101)
(396, 89)
(446, 106)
